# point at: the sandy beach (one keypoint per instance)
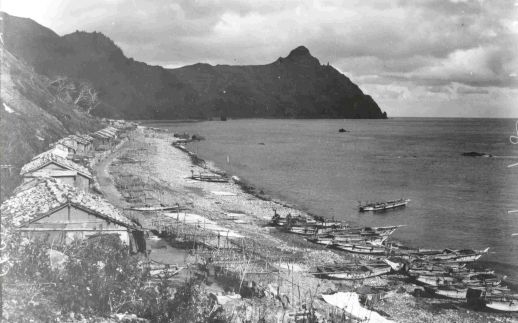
(229, 227)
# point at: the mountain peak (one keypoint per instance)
(300, 51)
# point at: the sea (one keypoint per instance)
(456, 201)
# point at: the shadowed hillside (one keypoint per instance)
(296, 86)
(31, 117)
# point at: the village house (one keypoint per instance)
(83, 145)
(49, 164)
(105, 136)
(67, 145)
(59, 213)
(90, 139)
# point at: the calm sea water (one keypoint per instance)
(456, 201)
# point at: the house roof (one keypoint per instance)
(52, 173)
(79, 139)
(48, 158)
(86, 137)
(103, 134)
(55, 150)
(66, 142)
(45, 195)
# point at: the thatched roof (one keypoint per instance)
(43, 196)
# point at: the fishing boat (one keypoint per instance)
(465, 255)
(361, 248)
(209, 178)
(149, 208)
(461, 292)
(443, 271)
(302, 230)
(503, 303)
(353, 272)
(468, 280)
(329, 239)
(448, 291)
(437, 280)
(382, 206)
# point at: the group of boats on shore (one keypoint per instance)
(442, 272)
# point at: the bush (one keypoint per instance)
(100, 278)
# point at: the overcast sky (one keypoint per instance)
(416, 58)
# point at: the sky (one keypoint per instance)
(422, 58)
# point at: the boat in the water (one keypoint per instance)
(382, 206)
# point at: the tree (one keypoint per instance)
(64, 88)
(87, 97)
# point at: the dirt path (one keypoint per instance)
(105, 180)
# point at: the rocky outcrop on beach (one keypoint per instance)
(295, 86)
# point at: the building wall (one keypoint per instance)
(78, 181)
(52, 166)
(69, 223)
(82, 182)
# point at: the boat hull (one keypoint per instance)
(383, 206)
(503, 306)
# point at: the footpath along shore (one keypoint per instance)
(224, 229)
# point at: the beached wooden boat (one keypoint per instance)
(467, 280)
(437, 280)
(448, 291)
(444, 271)
(303, 230)
(446, 256)
(465, 255)
(209, 178)
(501, 301)
(149, 208)
(388, 230)
(361, 248)
(382, 206)
(354, 272)
(349, 239)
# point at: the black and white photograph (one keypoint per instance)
(269, 161)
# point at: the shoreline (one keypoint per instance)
(249, 187)
(256, 211)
